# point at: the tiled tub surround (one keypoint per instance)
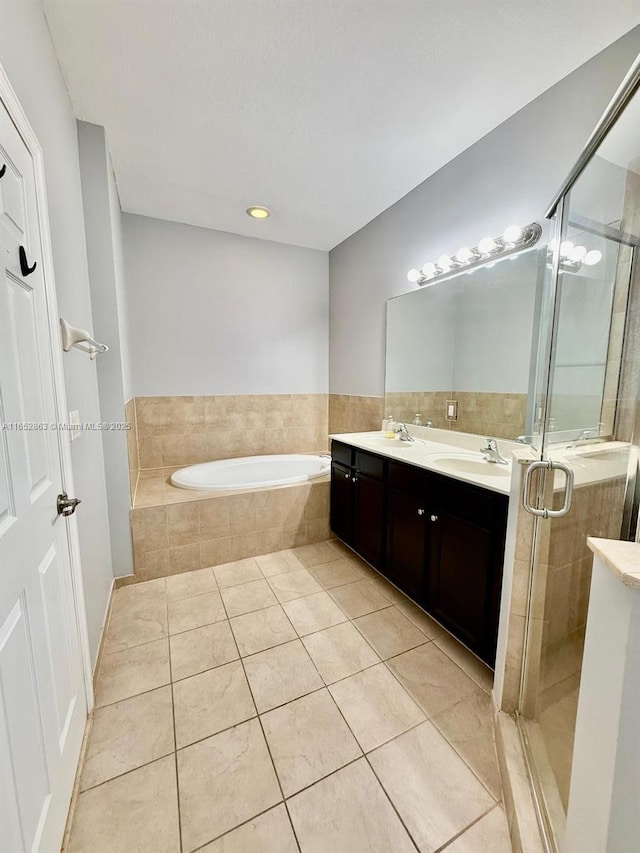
(201, 530)
(296, 701)
(180, 431)
(494, 415)
(351, 413)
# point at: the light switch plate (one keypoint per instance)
(74, 422)
(452, 410)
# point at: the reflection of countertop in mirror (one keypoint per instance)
(455, 455)
(594, 462)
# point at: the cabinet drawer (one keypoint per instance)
(409, 480)
(370, 464)
(341, 453)
(472, 503)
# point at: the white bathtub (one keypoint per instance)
(252, 471)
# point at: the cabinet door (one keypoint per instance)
(368, 522)
(461, 574)
(406, 544)
(342, 502)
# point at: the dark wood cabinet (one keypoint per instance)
(407, 544)
(438, 539)
(358, 501)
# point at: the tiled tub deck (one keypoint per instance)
(180, 530)
(291, 701)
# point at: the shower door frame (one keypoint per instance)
(549, 315)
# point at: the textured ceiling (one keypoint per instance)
(326, 111)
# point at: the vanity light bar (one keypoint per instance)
(573, 258)
(514, 239)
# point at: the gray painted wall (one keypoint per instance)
(104, 251)
(27, 55)
(217, 313)
(507, 177)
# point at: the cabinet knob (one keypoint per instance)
(420, 512)
(434, 518)
(354, 479)
(347, 476)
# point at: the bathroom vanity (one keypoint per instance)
(440, 538)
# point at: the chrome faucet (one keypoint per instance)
(491, 453)
(403, 433)
(583, 438)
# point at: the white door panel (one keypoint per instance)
(42, 697)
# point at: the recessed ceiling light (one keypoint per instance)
(258, 212)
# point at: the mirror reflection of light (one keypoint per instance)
(593, 257)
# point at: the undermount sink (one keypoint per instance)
(467, 463)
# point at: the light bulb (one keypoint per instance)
(577, 253)
(463, 255)
(593, 257)
(429, 269)
(513, 234)
(565, 248)
(413, 275)
(487, 245)
(257, 211)
(445, 262)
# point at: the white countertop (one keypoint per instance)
(425, 451)
(623, 558)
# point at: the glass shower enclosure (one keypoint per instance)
(585, 482)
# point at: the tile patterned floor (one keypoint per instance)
(291, 702)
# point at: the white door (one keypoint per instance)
(42, 695)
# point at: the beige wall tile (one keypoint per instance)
(268, 509)
(183, 523)
(214, 552)
(185, 558)
(242, 513)
(214, 518)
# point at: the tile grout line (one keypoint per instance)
(264, 736)
(175, 737)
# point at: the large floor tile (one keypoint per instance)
(432, 678)
(435, 793)
(308, 739)
(242, 571)
(247, 597)
(389, 590)
(279, 563)
(135, 621)
(281, 674)
(127, 735)
(422, 620)
(390, 632)
(336, 573)
(224, 781)
(339, 651)
(262, 629)
(188, 613)
(489, 835)
(376, 706)
(294, 585)
(132, 671)
(201, 648)
(190, 583)
(468, 726)
(466, 660)
(270, 832)
(210, 702)
(313, 613)
(135, 813)
(348, 812)
(359, 598)
(313, 555)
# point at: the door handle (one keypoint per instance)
(544, 512)
(66, 505)
(25, 269)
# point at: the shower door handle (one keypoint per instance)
(544, 512)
